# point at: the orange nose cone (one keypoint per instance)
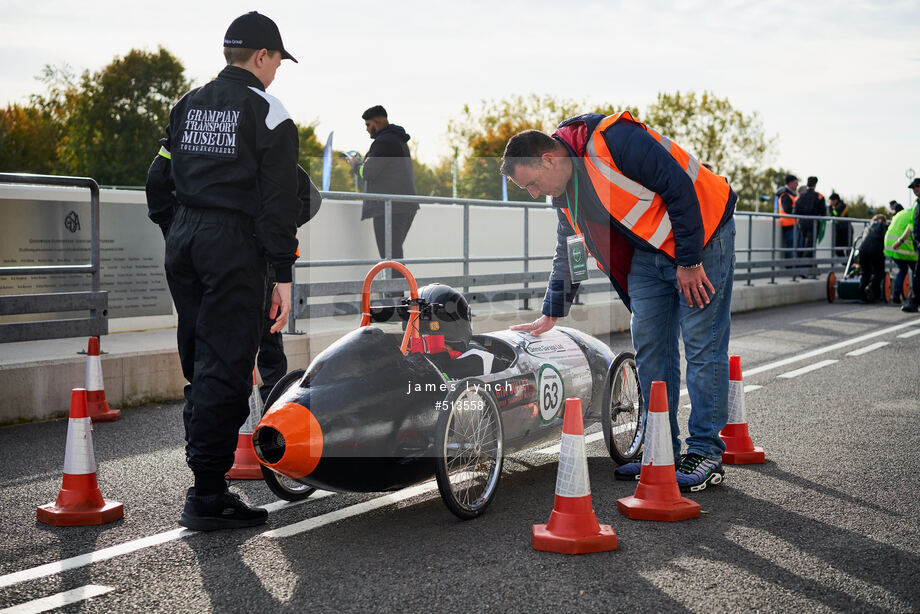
(289, 440)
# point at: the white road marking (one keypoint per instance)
(59, 600)
(82, 560)
(829, 348)
(352, 510)
(869, 348)
(554, 449)
(808, 369)
(824, 350)
(909, 335)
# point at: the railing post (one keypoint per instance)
(388, 229)
(750, 253)
(526, 304)
(466, 247)
(773, 248)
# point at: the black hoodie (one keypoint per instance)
(387, 169)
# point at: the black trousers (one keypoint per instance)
(807, 230)
(401, 224)
(216, 275)
(914, 298)
(872, 272)
(272, 361)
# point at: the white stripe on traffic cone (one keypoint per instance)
(79, 502)
(245, 463)
(96, 405)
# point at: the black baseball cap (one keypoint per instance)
(914, 182)
(255, 31)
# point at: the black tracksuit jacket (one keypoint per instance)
(229, 145)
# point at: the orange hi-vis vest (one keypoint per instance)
(640, 211)
(784, 220)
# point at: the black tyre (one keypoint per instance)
(284, 487)
(469, 450)
(623, 416)
(831, 287)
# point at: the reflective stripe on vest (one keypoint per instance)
(638, 209)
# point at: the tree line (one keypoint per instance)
(103, 124)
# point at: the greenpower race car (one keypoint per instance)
(370, 415)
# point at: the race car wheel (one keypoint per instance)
(831, 287)
(284, 487)
(469, 450)
(622, 414)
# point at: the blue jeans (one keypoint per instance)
(788, 241)
(660, 315)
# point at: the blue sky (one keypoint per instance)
(837, 82)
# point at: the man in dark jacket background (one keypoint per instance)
(843, 231)
(386, 169)
(811, 202)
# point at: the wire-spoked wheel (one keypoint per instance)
(469, 450)
(622, 415)
(283, 486)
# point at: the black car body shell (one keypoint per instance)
(378, 409)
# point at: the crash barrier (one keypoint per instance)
(573, 526)
(759, 254)
(96, 405)
(245, 464)
(739, 448)
(657, 495)
(95, 301)
(80, 501)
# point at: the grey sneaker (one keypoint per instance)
(695, 472)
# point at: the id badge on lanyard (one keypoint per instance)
(578, 258)
(575, 244)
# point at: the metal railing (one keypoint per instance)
(761, 262)
(94, 300)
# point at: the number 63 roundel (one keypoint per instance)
(552, 392)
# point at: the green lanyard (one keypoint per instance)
(573, 211)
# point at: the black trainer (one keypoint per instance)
(221, 511)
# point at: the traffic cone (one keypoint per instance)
(96, 405)
(573, 526)
(739, 449)
(80, 502)
(657, 495)
(245, 464)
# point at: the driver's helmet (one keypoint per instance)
(446, 312)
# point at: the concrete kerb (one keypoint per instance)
(140, 367)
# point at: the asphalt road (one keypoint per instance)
(830, 523)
